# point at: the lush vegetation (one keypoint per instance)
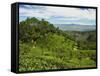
(45, 47)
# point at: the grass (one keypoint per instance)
(36, 58)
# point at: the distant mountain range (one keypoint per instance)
(75, 27)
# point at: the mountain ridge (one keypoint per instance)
(75, 27)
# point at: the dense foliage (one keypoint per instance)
(85, 39)
(45, 47)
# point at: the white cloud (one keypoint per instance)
(72, 12)
(32, 13)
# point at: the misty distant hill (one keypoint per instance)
(75, 27)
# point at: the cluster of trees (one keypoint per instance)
(45, 47)
(85, 39)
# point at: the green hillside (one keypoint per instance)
(45, 47)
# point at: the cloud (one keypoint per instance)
(58, 14)
(72, 12)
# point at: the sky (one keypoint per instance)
(58, 15)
